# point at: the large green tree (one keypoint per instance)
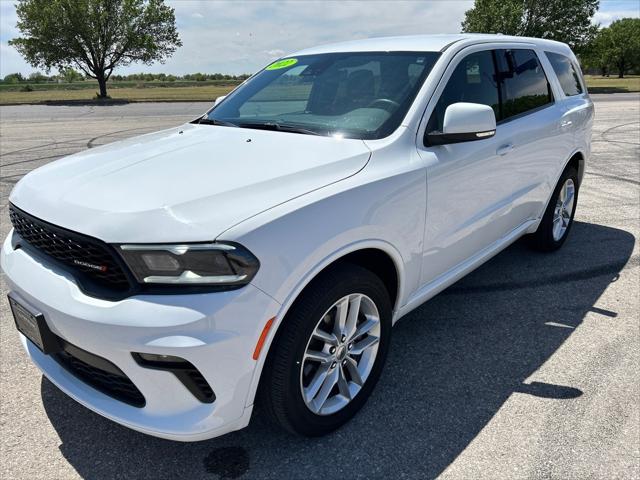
(95, 36)
(622, 45)
(567, 21)
(616, 47)
(597, 54)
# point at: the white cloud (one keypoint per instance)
(8, 19)
(276, 53)
(11, 61)
(242, 36)
(607, 18)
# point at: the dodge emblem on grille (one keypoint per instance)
(100, 268)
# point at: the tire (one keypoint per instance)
(291, 369)
(549, 237)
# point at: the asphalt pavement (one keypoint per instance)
(527, 368)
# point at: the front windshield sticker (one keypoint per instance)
(288, 62)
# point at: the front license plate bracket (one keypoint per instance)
(33, 325)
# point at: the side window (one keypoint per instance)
(472, 81)
(523, 83)
(566, 72)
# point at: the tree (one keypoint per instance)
(623, 45)
(615, 47)
(597, 54)
(13, 78)
(95, 36)
(70, 75)
(567, 21)
(38, 77)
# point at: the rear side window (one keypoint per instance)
(472, 81)
(523, 83)
(566, 72)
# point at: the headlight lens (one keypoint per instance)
(191, 264)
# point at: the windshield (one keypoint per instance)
(355, 95)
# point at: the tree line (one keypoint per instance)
(70, 75)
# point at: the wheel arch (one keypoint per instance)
(577, 160)
(377, 261)
(377, 256)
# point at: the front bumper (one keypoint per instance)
(216, 332)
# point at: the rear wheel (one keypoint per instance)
(329, 352)
(558, 217)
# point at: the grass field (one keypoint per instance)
(93, 85)
(613, 84)
(150, 92)
(204, 93)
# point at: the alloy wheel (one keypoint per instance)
(564, 209)
(340, 354)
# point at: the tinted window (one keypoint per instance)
(566, 73)
(356, 95)
(472, 81)
(523, 84)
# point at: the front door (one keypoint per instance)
(468, 184)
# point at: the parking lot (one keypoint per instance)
(527, 368)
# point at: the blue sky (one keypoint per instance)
(242, 36)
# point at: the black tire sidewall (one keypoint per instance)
(543, 238)
(305, 314)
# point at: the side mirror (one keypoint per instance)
(219, 99)
(464, 122)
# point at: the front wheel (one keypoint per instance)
(558, 218)
(329, 352)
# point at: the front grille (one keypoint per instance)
(100, 374)
(92, 261)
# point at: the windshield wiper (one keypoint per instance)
(213, 121)
(280, 127)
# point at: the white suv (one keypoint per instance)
(267, 248)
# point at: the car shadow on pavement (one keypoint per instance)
(453, 364)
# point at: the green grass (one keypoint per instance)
(613, 84)
(204, 91)
(93, 85)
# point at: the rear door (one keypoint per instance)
(536, 136)
(577, 107)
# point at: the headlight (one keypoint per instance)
(207, 264)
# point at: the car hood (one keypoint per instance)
(189, 183)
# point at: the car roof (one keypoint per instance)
(424, 43)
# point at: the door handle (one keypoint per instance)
(504, 149)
